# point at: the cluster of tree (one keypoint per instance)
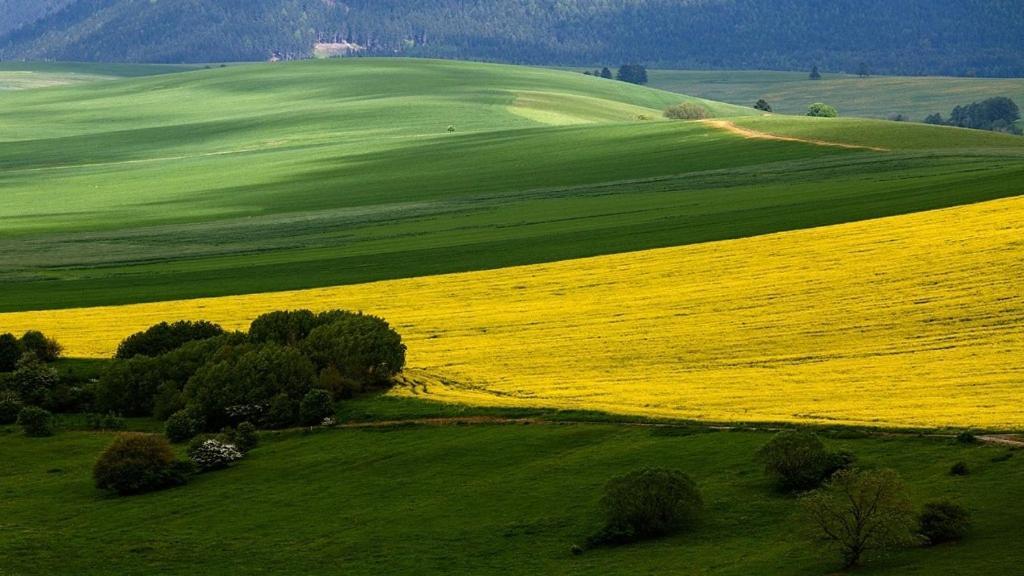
(17, 13)
(998, 114)
(29, 386)
(821, 110)
(895, 36)
(632, 73)
(287, 370)
(857, 511)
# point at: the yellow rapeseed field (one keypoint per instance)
(915, 320)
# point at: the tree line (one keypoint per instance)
(955, 37)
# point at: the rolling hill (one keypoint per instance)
(272, 177)
(952, 37)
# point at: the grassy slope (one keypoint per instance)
(437, 501)
(874, 97)
(30, 75)
(152, 188)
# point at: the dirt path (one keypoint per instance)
(1008, 440)
(755, 135)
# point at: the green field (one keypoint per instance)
(438, 500)
(872, 97)
(268, 177)
(28, 75)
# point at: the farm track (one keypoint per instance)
(1009, 440)
(757, 135)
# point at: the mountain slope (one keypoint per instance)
(891, 36)
(17, 13)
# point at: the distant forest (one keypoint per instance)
(952, 37)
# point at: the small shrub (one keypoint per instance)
(799, 461)
(10, 406)
(967, 438)
(34, 381)
(959, 469)
(316, 405)
(182, 425)
(45, 349)
(208, 454)
(246, 437)
(105, 422)
(165, 337)
(648, 503)
(687, 111)
(139, 463)
(944, 522)
(282, 412)
(763, 105)
(820, 110)
(36, 422)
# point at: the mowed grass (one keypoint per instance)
(256, 178)
(873, 97)
(439, 500)
(909, 321)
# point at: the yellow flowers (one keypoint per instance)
(914, 320)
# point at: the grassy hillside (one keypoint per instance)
(874, 97)
(907, 321)
(27, 75)
(434, 500)
(344, 171)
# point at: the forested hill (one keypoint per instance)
(16, 13)
(956, 37)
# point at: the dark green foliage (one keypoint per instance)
(1002, 457)
(944, 521)
(143, 385)
(246, 437)
(763, 105)
(182, 425)
(820, 110)
(33, 381)
(105, 422)
(959, 469)
(341, 388)
(139, 463)
(163, 338)
(289, 326)
(10, 406)
(935, 119)
(967, 438)
(797, 461)
(316, 405)
(606, 73)
(226, 388)
(282, 412)
(815, 74)
(960, 37)
(687, 111)
(632, 73)
(995, 114)
(363, 348)
(45, 349)
(35, 422)
(648, 503)
(10, 351)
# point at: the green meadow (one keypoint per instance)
(473, 499)
(267, 177)
(871, 97)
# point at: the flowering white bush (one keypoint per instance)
(214, 455)
(329, 421)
